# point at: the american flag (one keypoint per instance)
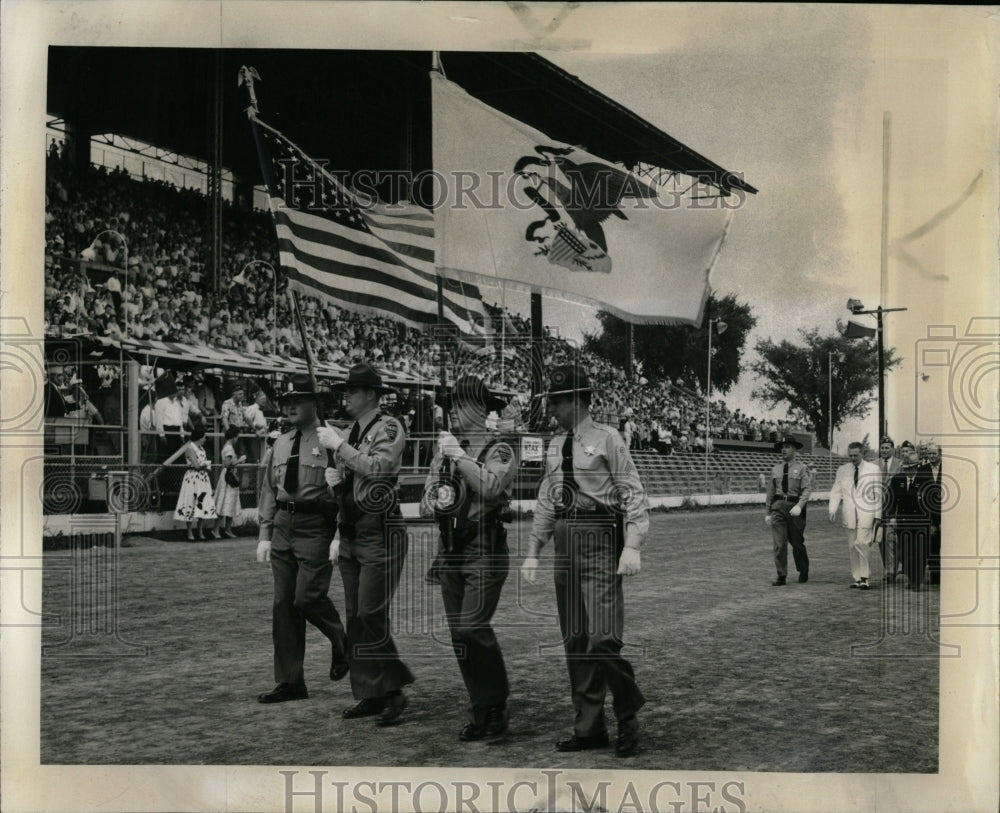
(358, 253)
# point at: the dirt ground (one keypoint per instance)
(160, 658)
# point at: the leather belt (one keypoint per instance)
(299, 507)
(584, 513)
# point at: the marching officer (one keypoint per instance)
(788, 491)
(592, 503)
(371, 559)
(910, 517)
(298, 517)
(469, 496)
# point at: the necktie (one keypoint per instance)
(784, 480)
(352, 440)
(885, 465)
(569, 478)
(291, 484)
(855, 476)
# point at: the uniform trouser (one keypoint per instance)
(471, 582)
(591, 607)
(913, 547)
(302, 569)
(788, 530)
(934, 555)
(371, 561)
(859, 544)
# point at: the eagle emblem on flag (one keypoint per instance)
(576, 198)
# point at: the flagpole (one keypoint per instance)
(306, 350)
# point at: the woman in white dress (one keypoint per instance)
(195, 502)
(227, 497)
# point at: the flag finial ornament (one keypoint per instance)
(247, 76)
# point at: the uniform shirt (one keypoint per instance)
(602, 467)
(313, 461)
(378, 454)
(799, 482)
(489, 482)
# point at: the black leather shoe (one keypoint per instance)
(282, 693)
(778, 582)
(368, 707)
(338, 669)
(395, 702)
(496, 720)
(471, 732)
(577, 743)
(803, 577)
(627, 741)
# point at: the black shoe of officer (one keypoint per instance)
(395, 702)
(496, 720)
(368, 707)
(778, 582)
(282, 693)
(578, 743)
(803, 577)
(627, 741)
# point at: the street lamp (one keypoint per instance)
(125, 290)
(274, 299)
(858, 309)
(720, 326)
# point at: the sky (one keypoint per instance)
(796, 103)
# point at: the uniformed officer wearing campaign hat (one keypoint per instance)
(468, 496)
(788, 490)
(592, 503)
(370, 558)
(298, 516)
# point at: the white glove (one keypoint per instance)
(264, 550)
(335, 547)
(833, 516)
(330, 437)
(528, 569)
(796, 510)
(333, 476)
(767, 519)
(629, 563)
(450, 447)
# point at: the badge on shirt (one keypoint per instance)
(315, 451)
(590, 450)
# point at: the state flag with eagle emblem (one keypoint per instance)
(519, 210)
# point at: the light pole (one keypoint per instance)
(274, 299)
(121, 237)
(721, 327)
(855, 307)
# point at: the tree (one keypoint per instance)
(680, 351)
(799, 376)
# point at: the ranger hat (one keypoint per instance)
(299, 386)
(567, 379)
(364, 376)
(787, 440)
(470, 389)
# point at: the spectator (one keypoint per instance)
(227, 489)
(195, 502)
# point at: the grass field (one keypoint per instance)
(738, 675)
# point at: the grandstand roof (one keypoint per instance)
(359, 109)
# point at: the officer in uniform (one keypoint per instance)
(788, 491)
(910, 517)
(467, 491)
(592, 503)
(370, 559)
(298, 516)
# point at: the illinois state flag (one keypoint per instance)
(518, 209)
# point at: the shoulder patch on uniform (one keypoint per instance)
(505, 453)
(391, 429)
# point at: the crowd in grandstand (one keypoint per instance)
(153, 284)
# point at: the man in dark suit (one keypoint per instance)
(910, 519)
(889, 465)
(932, 498)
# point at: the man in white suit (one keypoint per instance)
(858, 486)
